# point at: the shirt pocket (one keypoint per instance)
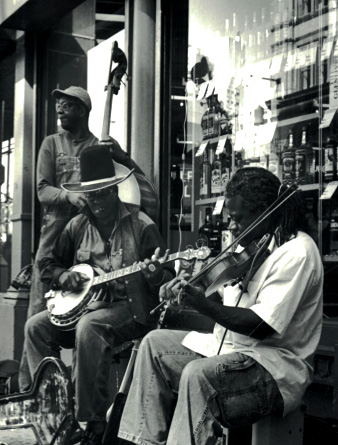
(67, 169)
(83, 255)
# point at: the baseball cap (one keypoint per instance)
(77, 92)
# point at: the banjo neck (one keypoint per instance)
(113, 275)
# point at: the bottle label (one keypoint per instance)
(211, 125)
(288, 165)
(328, 164)
(204, 125)
(225, 178)
(300, 166)
(216, 181)
(203, 186)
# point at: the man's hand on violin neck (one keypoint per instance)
(191, 296)
(183, 293)
(171, 289)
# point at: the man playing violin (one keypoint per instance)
(257, 361)
(108, 234)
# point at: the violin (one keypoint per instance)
(233, 267)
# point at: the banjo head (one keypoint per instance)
(65, 302)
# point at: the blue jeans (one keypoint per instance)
(179, 397)
(95, 335)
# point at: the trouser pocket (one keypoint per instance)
(247, 391)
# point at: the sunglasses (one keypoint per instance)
(104, 193)
(64, 106)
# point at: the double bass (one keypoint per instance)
(149, 200)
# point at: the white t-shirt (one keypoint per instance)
(285, 292)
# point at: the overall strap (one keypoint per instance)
(59, 147)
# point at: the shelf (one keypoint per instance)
(217, 138)
(206, 201)
(330, 258)
(307, 187)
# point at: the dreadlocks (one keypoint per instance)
(259, 188)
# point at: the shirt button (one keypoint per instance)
(134, 316)
(124, 265)
(130, 300)
(127, 282)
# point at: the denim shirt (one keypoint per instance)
(138, 237)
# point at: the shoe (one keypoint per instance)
(90, 438)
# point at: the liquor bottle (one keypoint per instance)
(330, 160)
(226, 164)
(205, 124)
(215, 240)
(216, 176)
(334, 231)
(212, 131)
(204, 232)
(304, 171)
(238, 160)
(227, 236)
(205, 173)
(223, 120)
(288, 159)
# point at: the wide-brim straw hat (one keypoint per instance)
(98, 171)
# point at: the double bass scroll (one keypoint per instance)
(149, 196)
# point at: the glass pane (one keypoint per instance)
(258, 90)
(6, 210)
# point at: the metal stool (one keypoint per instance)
(119, 363)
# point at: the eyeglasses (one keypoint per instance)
(64, 106)
(99, 194)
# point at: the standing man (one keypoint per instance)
(258, 360)
(108, 236)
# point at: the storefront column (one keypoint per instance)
(14, 303)
(142, 91)
(24, 113)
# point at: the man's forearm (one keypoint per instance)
(237, 319)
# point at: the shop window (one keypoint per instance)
(251, 75)
(6, 209)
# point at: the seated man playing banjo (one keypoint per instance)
(107, 235)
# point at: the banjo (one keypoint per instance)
(65, 308)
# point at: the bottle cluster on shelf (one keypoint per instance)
(214, 232)
(215, 120)
(302, 163)
(216, 169)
